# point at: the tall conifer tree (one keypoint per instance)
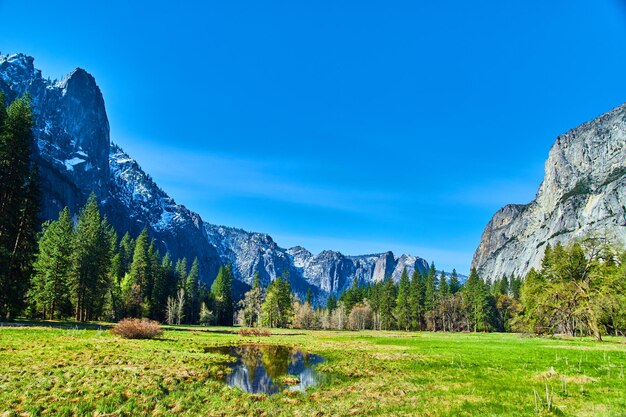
(403, 306)
(91, 262)
(19, 205)
(455, 285)
(136, 290)
(222, 289)
(192, 288)
(49, 290)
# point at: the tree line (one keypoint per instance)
(77, 267)
(424, 301)
(82, 271)
(579, 290)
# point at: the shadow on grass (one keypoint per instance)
(72, 325)
(75, 325)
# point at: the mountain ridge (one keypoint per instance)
(76, 156)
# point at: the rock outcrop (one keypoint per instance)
(583, 193)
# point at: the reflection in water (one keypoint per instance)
(258, 368)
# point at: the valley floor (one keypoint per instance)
(71, 372)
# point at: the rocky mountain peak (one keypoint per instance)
(17, 71)
(384, 267)
(71, 129)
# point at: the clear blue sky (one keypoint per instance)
(358, 126)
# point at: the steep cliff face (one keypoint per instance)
(71, 129)
(583, 192)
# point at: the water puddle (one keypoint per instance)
(268, 369)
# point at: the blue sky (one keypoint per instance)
(358, 126)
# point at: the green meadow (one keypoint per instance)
(90, 372)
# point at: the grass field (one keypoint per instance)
(67, 372)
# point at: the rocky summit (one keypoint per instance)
(76, 157)
(583, 194)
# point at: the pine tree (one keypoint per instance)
(162, 287)
(495, 286)
(515, 287)
(403, 306)
(444, 288)
(19, 205)
(387, 305)
(270, 309)
(431, 297)
(479, 303)
(117, 268)
(444, 294)
(126, 251)
(49, 288)
(285, 301)
(331, 303)
(169, 275)
(154, 266)
(156, 296)
(91, 262)
(192, 291)
(256, 281)
(309, 297)
(277, 309)
(221, 289)
(3, 112)
(455, 285)
(136, 288)
(352, 296)
(504, 285)
(417, 300)
(181, 272)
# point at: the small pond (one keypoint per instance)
(269, 369)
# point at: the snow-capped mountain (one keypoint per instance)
(76, 157)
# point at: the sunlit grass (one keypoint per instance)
(67, 372)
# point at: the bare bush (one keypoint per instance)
(360, 317)
(305, 317)
(137, 329)
(254, 331)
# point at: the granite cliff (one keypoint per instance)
(583, 193)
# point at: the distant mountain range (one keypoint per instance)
(76, 157)
(583, 192)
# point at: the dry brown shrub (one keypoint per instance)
(254, 331)
(137, 329)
